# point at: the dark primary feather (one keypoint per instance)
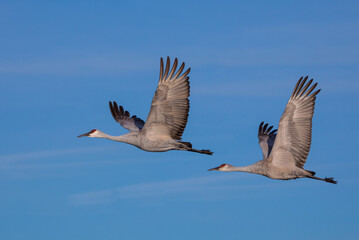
(266, 139)
(123, 117)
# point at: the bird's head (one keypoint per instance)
(92, 133)
(223, 168)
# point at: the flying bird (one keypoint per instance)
(285, 152)
(167, 119)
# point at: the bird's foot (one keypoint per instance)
(330, 180)
(208, 152)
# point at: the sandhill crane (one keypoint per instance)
(285, 153)
(167, 118)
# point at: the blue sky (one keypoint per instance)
(62, 61)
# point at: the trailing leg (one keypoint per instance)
(208, 152)
(187, 146)
(329, 180)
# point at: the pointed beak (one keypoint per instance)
(84, 135)
(212, 169)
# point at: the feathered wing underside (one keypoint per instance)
(292, 144)
(134, 124)
(266, 139)
(170, 104)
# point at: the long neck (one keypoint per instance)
(126, 138)
(257, 168)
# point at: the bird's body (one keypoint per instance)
(285, 152)
(140, 140)
(272, 171)
(167, 118)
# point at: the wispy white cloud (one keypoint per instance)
(286, 56)
(345, 86)
(245, 88)
(197, 186)
(46, 154)
(270, 88)
(47, 165)
(303, 29)
(294, 51)
(102, 65)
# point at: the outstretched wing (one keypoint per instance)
(266, 139)
(170, 104)
(134, 124)
(292, 144)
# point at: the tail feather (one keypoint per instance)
(188, 144)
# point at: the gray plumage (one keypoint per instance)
(167, 119)
(170, 105)
(285, 153)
